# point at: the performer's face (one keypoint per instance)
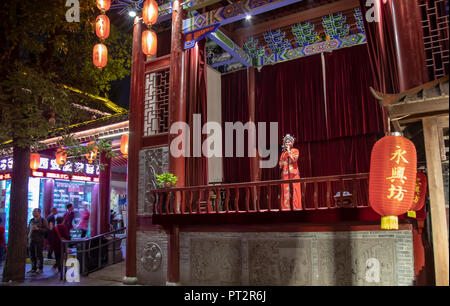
(289, 143)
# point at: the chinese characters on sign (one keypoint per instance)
(48, 164)
(398, 177)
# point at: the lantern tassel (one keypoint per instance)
(389, 222)
(412, 214)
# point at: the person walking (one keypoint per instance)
(51, 220)
(36, 234)
(58, 233)
(2, 242)
(69, 216)
(84, 221)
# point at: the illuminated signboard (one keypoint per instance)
(81, 178)
(49, 164)
(6, 176)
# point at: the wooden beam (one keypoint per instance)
(430, 105)
(232, 12)
(295, 18)
(437, 202)
(198, 4)
(417, 118)
(231, 47)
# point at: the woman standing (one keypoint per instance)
(289, 170)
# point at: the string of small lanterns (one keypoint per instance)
(102, 28)
(149, 39)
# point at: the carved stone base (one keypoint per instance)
(129, 280)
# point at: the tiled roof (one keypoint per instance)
(434, 89)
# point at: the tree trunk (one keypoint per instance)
(16, 254)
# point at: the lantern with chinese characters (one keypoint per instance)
(149, 42)
(392, 178)
(61, 156)
(150, 12)
(35, 161)
(102, 26)
(103, 5)
(124, 145)
(419, 194)
(92, 155)
(100, 55)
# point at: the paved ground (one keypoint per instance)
(109, 276)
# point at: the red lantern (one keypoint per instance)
(100, 55)
(35, 161)
(124, 145)
(149, 42)
(419, 194)
(92, 154)
(102, 26)
(150, 12)
(392, 178)
(103, 5)
(61, 156)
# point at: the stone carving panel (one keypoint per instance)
(215, 261)
(152, 162)
(280, 262)
(343, 262)
(151, 257)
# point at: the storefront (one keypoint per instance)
(52, 186)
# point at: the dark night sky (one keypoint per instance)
(120, 92)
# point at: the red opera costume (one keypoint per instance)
(289, 170)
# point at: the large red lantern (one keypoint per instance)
(35, 161)
(149, 42)
(150, 12)
(102, 26)
(124, 145)
(392, 178)
(419, 194)
(92, 155)
(100, 55)
(61, 156)
(103, 5)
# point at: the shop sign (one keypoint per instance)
(49, 164)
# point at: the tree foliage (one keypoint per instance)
(40, 52)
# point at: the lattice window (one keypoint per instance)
(156, 103)
(435, 32)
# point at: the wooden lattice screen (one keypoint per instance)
(436, 36)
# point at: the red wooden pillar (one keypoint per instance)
(94, 210)
(255, 173)
(409, 46)
(135, 136)
(177, 112)
(104, 193)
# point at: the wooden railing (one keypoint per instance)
(92, 253)
(326, 192)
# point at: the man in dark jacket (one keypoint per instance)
(37, 229)
(51, 220)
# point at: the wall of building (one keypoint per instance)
(306, 258)
(214, 114)
(151, 245)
